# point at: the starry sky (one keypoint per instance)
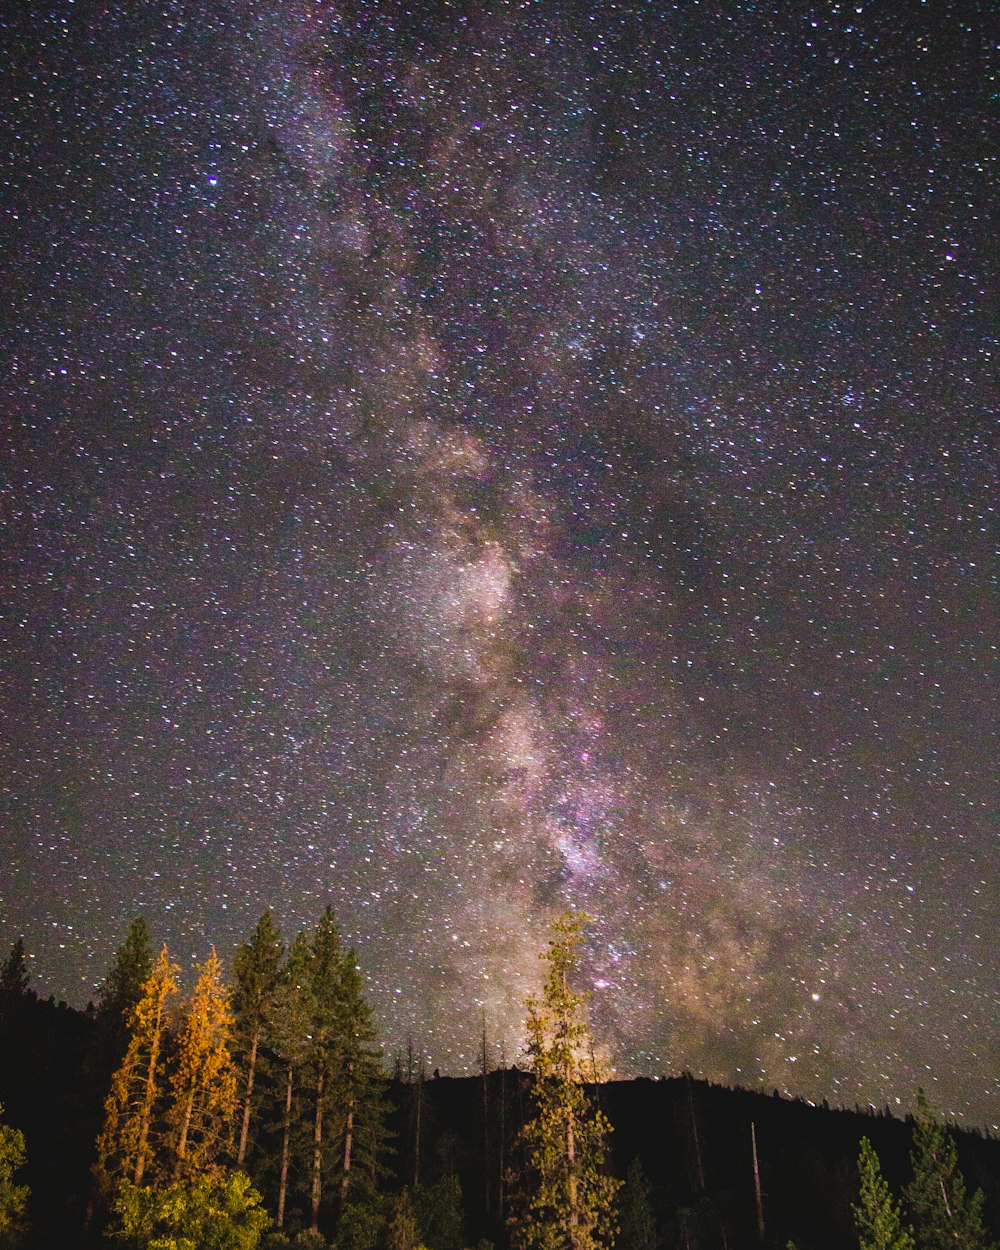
(464, 461)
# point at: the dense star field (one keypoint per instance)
(463, 463)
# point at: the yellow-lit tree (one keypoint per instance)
(569, 1198)
(202, 1101)
(125, 1145)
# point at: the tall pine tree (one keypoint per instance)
(569, 1200)
(256, 969)
(944, 1218)
(121, 991)
(877, 1216)
(125, 1145)
(202, 1098)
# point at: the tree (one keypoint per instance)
(203, 1083)
(289, 1034)
(14, 979)
(943, 1217)
(13, 1197)
(570, 1199)
(121, 991)
(358, 1085)
(637, 1223)
(210, 1212)
(256, 969)
(124, 1147)
(877, 1216)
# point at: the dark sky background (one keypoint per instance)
(463, 463)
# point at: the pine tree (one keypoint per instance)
(14, 979)
(358, 1085)
(121, 991)
(13, 1197)
(288, 1036)
(637, 1223)
(877, 1216)
(203, 1084)
(570, 1199)
(326, 1012)
(943, 1217)
(256, 968)
(124, 1147)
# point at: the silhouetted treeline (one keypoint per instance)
(455, 1139)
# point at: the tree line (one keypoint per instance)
(261, 1112)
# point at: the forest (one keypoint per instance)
(260, 1110)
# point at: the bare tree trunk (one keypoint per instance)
(756, 1183)
(574, 1206)
(483, 1059)
(697, 1140)
(286, 1145)
(416, 1126)
(503, 1129)
(345, 1178)
(148, 1098)
(317, 1168)
(182, 1139)
(241, 1153)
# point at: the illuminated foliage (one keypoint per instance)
(124, 1148)
(569, 1197)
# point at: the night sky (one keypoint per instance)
(463, 463)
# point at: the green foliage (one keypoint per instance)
(13, 1197)
(364, 1222)
(944, 1217)
(570, 1199)
(440, 1214)
(208, 1213)
(637, 1224)
(877, 1216)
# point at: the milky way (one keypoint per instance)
(468, 463)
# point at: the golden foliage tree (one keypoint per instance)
(569, 1201)
(125, 1145)
(202, 1100)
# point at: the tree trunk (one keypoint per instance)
(286, 1143)
(148, 1098)
(317, 1168)
(345, 1178)
(182, 1139)
(756, 1183)
(241, 1153)
(694, 1130)
(574, 1206)
(416, 1130)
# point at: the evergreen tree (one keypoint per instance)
(637, 1223)
(943, 1217)
(358, 1086)
(256, 969)
(124, 1147)
(203, 1084)
(324, 1004)
(877, 1216)
(121, 991)
(570, 1200)
(14, 979)
(13, 1197)
(288, 1036)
